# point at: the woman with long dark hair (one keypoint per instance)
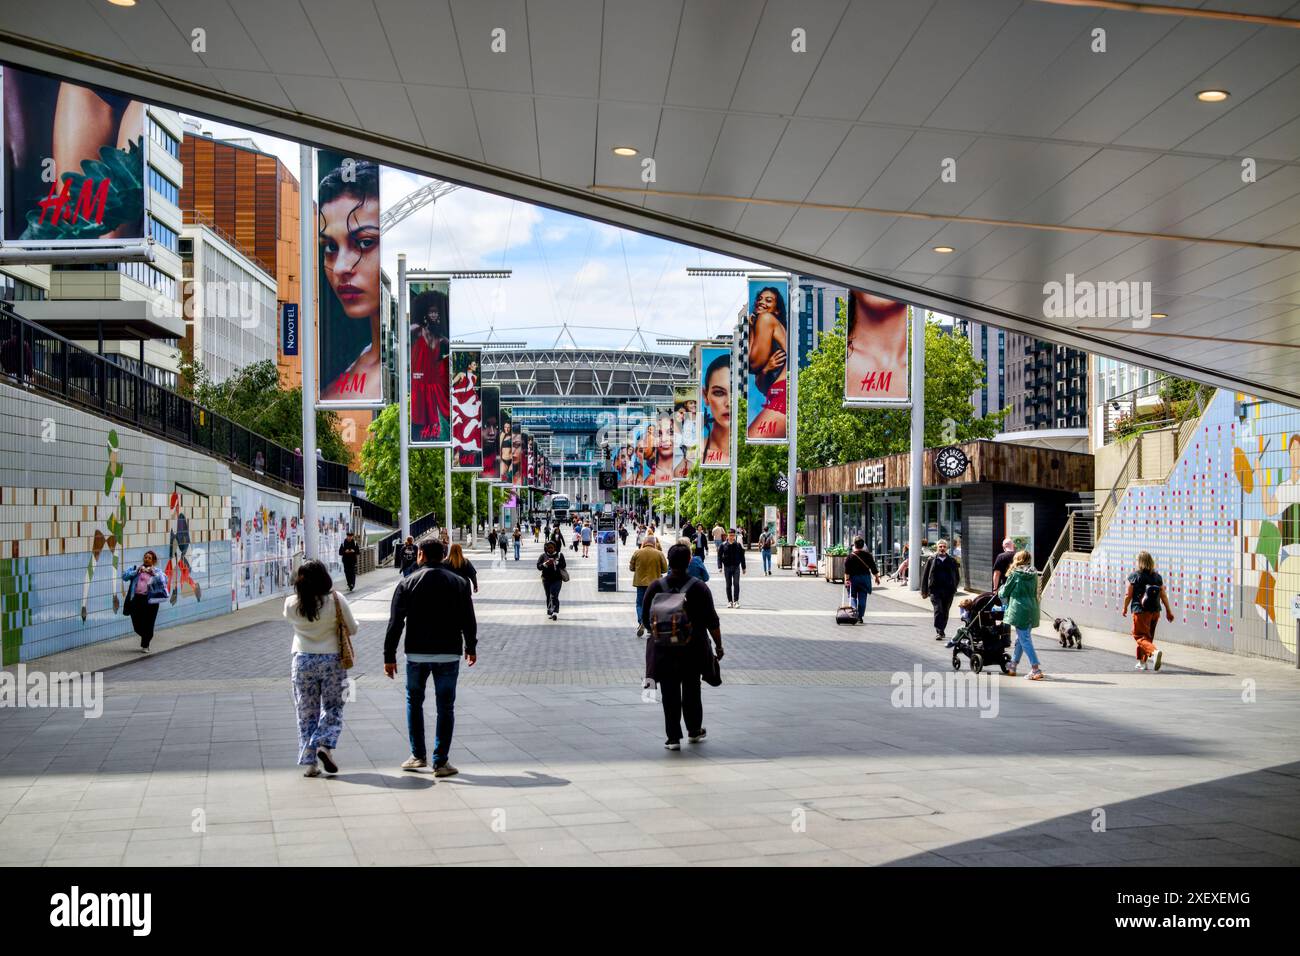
(767, 362)
(717, 411)
(316, 611)
(348, 230)
(462, 566)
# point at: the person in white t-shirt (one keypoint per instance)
(315, 610)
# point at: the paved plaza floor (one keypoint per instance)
(808, 759)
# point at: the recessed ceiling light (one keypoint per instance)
(943, 249)
(1212, 96)
(624, 150)
(1159, 315)
(122, 3)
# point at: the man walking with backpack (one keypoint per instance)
(680, 615)
(647, 565)
(436, 608)
(1145, 594)
(765, 542)
(731, 558)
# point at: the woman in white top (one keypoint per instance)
(314, 610)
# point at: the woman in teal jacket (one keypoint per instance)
(1020, 596)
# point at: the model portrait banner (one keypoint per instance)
(768, 360)
(490, 398)
(466, 411)
(507, 445)
(666, 466)
(74, 163)
(430, 362)
(351, 371)
(875, 355)
(686, 427)
(716, 407)
(634, 459)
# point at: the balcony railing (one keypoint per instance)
(34, 358)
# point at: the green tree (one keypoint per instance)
(253, 397)
(831, 434)
(381, 471)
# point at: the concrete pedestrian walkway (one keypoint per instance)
(815, 755)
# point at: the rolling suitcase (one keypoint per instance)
(846, 613)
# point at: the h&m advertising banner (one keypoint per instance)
(875, 358)
(490, 401)
(686, 425)
(507, 447)
(74, 169)
(717, 407)
(768, 360)
(349, 288)
(430, 362)
(466, 411)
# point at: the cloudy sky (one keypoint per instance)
(601, 281)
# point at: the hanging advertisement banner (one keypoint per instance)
(666, 466)
(506, 449)
(351, 370)
(430, 362)
(686, 427)
(466, 411)
(521, 459)
(768, 362)
(717, 407)
(635, 457)
(875, 360)
(75, 164)
(490, 396)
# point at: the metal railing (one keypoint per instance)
(42, 361)
(1078, 536)
(373, 512)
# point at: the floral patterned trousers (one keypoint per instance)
(318, 692)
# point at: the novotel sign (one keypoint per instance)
(870, 474)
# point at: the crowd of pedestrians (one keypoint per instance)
(432, 612)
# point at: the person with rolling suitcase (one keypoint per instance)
(859, 569)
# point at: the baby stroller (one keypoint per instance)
(983, 637)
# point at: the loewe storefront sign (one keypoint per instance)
(870, 474)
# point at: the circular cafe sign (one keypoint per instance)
(951, 462)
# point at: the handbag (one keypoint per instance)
(711, 667)
(564, 575)
(347, 656)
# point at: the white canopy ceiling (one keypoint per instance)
(1103, 165)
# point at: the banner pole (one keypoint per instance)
(735, 424)
(491, 520)
(307, 349)
(792, 425)
(446, 477)
(473, 502)
(403, 400)
(914, 491)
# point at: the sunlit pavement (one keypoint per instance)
(807, 759)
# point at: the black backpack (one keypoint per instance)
(1150, 599)
(669, 622)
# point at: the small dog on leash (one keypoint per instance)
(1068, 632)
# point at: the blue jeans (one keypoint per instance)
(861, 590)
(516, 549)
(640, 597)
(767, 560)
(444, 695)
(1025, 646)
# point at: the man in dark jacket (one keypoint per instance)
(677, 668)
(407, 558)
(731, 556)
(436, 606)
(349, 551)
(939, 581)
(551, 563)
(701, 543)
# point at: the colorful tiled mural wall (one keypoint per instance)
(1224, 529)
(82, 499)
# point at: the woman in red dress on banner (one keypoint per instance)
(430, 402)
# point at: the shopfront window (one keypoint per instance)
(852, 520)
(941, 512)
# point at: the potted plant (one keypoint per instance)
(833, 567)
